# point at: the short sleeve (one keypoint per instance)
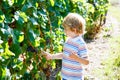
(83, 51)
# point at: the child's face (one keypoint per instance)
(69, 33)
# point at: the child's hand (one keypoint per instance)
(47, 55)
(73, 56)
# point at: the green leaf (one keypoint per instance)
(24, 16)
(44, 60)
(19, 19)
(29, 9)
(37, 42)
(6, 32)
(1, 41)
(34, 22)
(24, 8)
(35, 14)
(21, 38)
(32, 35)
(3, 73)
(8, 18)
(19, 2)
(18, 36)
(15, 36)
(1, 50)
(42, 12)
(2, 16)
(7, 53)
(36, 4)
(90, 8)
(16, 49)
(42, 40)
(52, 2)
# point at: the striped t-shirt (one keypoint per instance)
(71, 69)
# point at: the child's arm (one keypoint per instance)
(57, 56)
(75, 57)
(52, 56)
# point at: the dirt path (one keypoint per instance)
(99, 50)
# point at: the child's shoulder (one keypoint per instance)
(76, 41)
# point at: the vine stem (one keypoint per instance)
(50, 25)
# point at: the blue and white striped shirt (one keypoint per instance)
(71, 69)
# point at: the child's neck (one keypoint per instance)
(75, 35)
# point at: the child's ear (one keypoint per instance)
(75, 30)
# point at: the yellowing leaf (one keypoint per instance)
(59, 22)
(7, 52)
(37, 42)
(52, 2)
(21, 38)
(2, 17)
(36, 4)
(24, 16)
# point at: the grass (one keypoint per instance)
(112, 64)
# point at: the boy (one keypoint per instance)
(74, 50)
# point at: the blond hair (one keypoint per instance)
(74, 21)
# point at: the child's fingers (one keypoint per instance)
(46, 54)
(43, 52)
(73, 55)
